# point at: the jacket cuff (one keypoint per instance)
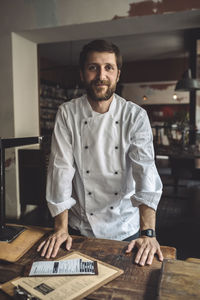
(149, 199)
(57, 208)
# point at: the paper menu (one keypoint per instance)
(63, 267)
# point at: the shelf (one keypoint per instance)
(51, 97)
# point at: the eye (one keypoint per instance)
(109, 67)
(92, 67)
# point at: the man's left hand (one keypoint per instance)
(147, 247)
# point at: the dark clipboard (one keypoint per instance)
(27, 269)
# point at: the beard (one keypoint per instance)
(97, 92)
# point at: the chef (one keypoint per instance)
(102, 181)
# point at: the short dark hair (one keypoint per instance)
(99, 46)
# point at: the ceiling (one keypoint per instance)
(133, 47)
(143, 38)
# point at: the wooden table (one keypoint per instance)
(180, 280)
(136, 282)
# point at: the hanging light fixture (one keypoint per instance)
(145, 98)
(187, 83)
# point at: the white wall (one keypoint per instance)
(25, 87)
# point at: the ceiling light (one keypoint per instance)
(187, 83)
(145, 98)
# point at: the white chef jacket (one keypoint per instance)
(109, 160)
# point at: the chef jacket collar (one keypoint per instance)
(91, 113)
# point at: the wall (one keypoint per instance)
(25, 87)
(154, 70)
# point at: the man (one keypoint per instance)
(103, 144)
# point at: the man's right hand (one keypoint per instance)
(49, 247)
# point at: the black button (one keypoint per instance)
(87, 171)
(117, 122)
(91, 214)
(116, 172)
(116, 193)
(111, 207)
(116, 147)
(86, 147)
(85, 122)
(89, 193)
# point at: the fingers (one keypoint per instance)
(142, 255)
(49, 247)
(69, 243)
(40, 246)
(54, 247)
(130, 247)
(150, 257)
(147, 247)
(160, 255)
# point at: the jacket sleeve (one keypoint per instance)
(60, 169)
(148, 185)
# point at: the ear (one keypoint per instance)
(118, 75)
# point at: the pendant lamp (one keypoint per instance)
(187, 83)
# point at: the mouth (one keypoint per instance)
(101, 84)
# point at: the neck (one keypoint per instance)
(100, 106)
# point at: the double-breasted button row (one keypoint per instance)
(111, 207)
(88, 171)
(116, 147)
(90, 193)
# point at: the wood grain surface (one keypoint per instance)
(136, 282)
(179, 280)
(194, 260)
(17, 248)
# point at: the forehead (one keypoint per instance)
(101, 58)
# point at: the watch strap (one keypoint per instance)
(148, 232)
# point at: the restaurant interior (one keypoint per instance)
(161, 73)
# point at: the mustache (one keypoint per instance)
(100, 82)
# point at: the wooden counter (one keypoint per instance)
(136, 282)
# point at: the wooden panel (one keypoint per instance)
(179, 280)
(13, 251)
(193, 260)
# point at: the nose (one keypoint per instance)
(101, 73)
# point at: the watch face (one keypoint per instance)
(149, 232)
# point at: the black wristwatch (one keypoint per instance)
(148, 232)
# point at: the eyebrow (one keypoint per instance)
(95, 63)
